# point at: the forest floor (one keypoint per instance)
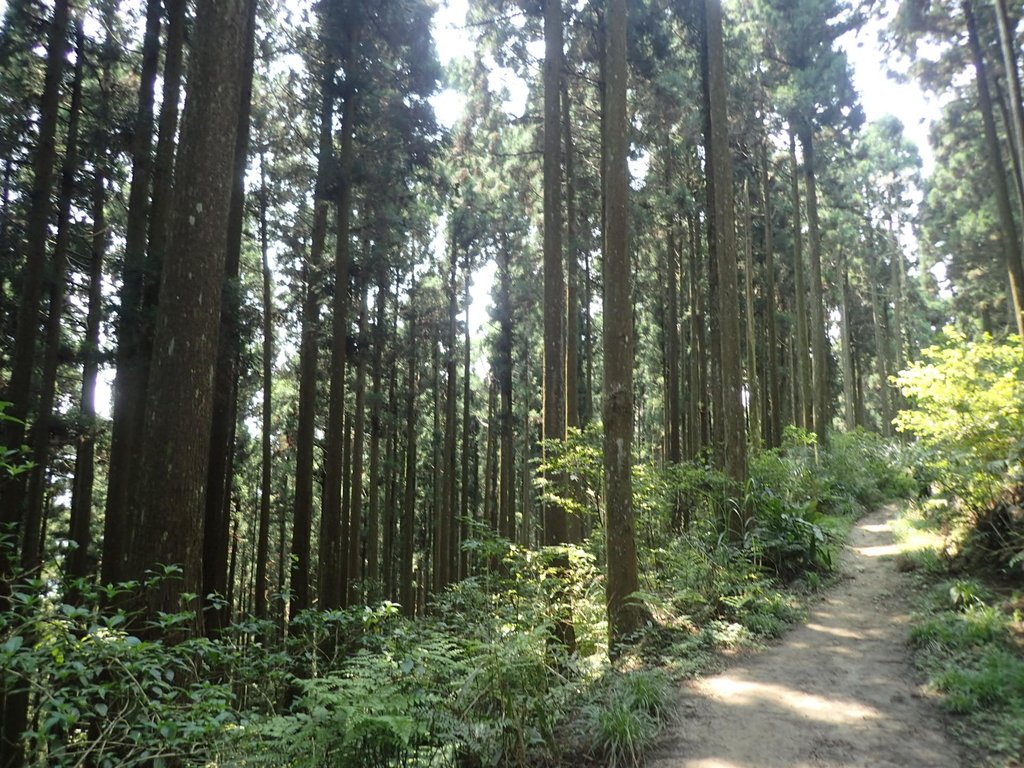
(839, 690)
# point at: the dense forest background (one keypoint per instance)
(712, 285)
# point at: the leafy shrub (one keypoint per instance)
(624, 716)
(102, 695)
(968, 409)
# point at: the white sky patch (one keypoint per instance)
(449, 107)
(450, 34)
(882, 95)
(480, 306)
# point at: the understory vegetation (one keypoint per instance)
(966, 538)
(478, 680)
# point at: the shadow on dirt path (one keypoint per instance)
(837, 691)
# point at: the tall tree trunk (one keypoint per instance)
(163, 189)
(392, 470)
(673, 417)
(225, 394)
(819, 334)
(587, 414)
(333, 571)
(526, 519)
(1011, 244)
(263, 545)
(698, 354)
(625, 615)
(435, 484)
(1008, 46)
(803, 388)
(503, 376)
(373, 569)
(774, 403)
(572, 290)
(85, 470)
(467, 398)
(849, 388)
(406, 587)
(172, 482)
(446, 510)
(33, 279)
(355, 506)
(882, 356)
(34, 541)
(722, 238)
(555, 530)
(753, 385)
(129, 399)
(308, 353)
(574, 409)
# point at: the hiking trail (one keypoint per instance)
(838, 691)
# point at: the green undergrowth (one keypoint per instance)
(968, 639)
(478, 680)
(964, 537)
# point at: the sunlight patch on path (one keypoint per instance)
(877, 528)
(826, 710)
(836, 631)
(888, 550)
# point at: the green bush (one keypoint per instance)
(967, 398)
(624, 716)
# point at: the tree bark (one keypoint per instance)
(555, 526)
(373, 569)
(33, 278)
(1011, 244)
(774, 404)
(79, 563)
(333, 570)
(818, 331)
(802, 388)
(407, 593)
(849, 385)
(1008, 47)
(503, 375)
(172, 483)
(753, 384)
(129, 399)
(673, 416)
(722, 238)
(308, 353)
(355, 505)
(33, 535)
(266, 457)
(225, 395)
(625, 614)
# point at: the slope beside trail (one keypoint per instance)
(839, 691)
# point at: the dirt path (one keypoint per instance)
(838, 691)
